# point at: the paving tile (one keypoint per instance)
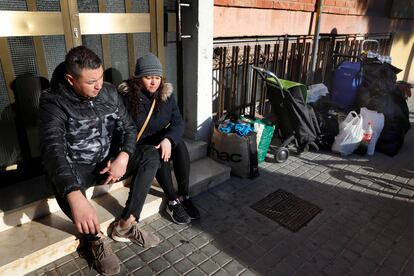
(159, 265)
(144, 271)
(163, 247)
(116, 246)
(319, 261)
(339, 266)
(209, 249)
(149, 255)
(166, 232)
(408, 269)
(375, 252)
(387, 271)
(123, 269)
(183, 266)
(206, 235)
(89, 272)
(293, 261)
(271, 240)
(178, 227)
(158, 224)
(355, 246)
(125, 253)
(351, 255)
(169, 272)
(195, 272)
(234, 267)
(177, 240)
(173, 256)
(248, 272)
(308, 270)
(186, 248)
(63, 260)
(363, 266)
(209, 267)
(244, 243)
(221, 272)
(199, 241)
(394, 261)
(44, 269)
(137, 248)
(81, 262)
(148, 228)
(54, 273)
(67, 268)
(134, 263)
(221, 258)
(197, 257)
(283, 268)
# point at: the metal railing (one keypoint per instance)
(236, 88)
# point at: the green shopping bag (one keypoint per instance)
(264, 130)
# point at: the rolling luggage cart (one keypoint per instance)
(348, 75)
(295, 119)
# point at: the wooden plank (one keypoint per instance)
(7, 66)
(114, 23)
(29, 23)
(38, 45)
(71, 25)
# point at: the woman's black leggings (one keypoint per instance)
(181, 165)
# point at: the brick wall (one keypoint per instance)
(353, 7)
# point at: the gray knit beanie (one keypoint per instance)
(148, 65)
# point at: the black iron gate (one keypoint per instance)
(237, 89)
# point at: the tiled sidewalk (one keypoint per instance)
(366, 226)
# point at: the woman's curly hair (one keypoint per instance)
(134, 94)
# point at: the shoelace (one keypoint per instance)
(137, 234)
(179, 209)
(102, 250)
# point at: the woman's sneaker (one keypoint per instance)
(177, 212)
(191, 210)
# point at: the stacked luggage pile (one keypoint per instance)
(367, 81)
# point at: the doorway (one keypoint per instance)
(34, 38)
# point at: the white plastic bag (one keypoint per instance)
(350, 134)
(377, 123)
(315, 91)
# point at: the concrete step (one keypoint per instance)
(205, 174)
(196, 149)
(43, 203)
(41, 241)
(22, 202)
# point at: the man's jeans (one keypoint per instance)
(142, 166)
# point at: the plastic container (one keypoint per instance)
(366, 139)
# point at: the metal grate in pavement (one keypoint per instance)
(287, 209)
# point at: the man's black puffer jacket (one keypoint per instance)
(76, 130)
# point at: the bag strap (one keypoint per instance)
(146, 121)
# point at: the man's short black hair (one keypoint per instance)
(80, 58)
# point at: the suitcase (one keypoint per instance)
(346, 80)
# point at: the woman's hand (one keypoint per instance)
(165, 147)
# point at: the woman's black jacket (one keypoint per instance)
(166, 120)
